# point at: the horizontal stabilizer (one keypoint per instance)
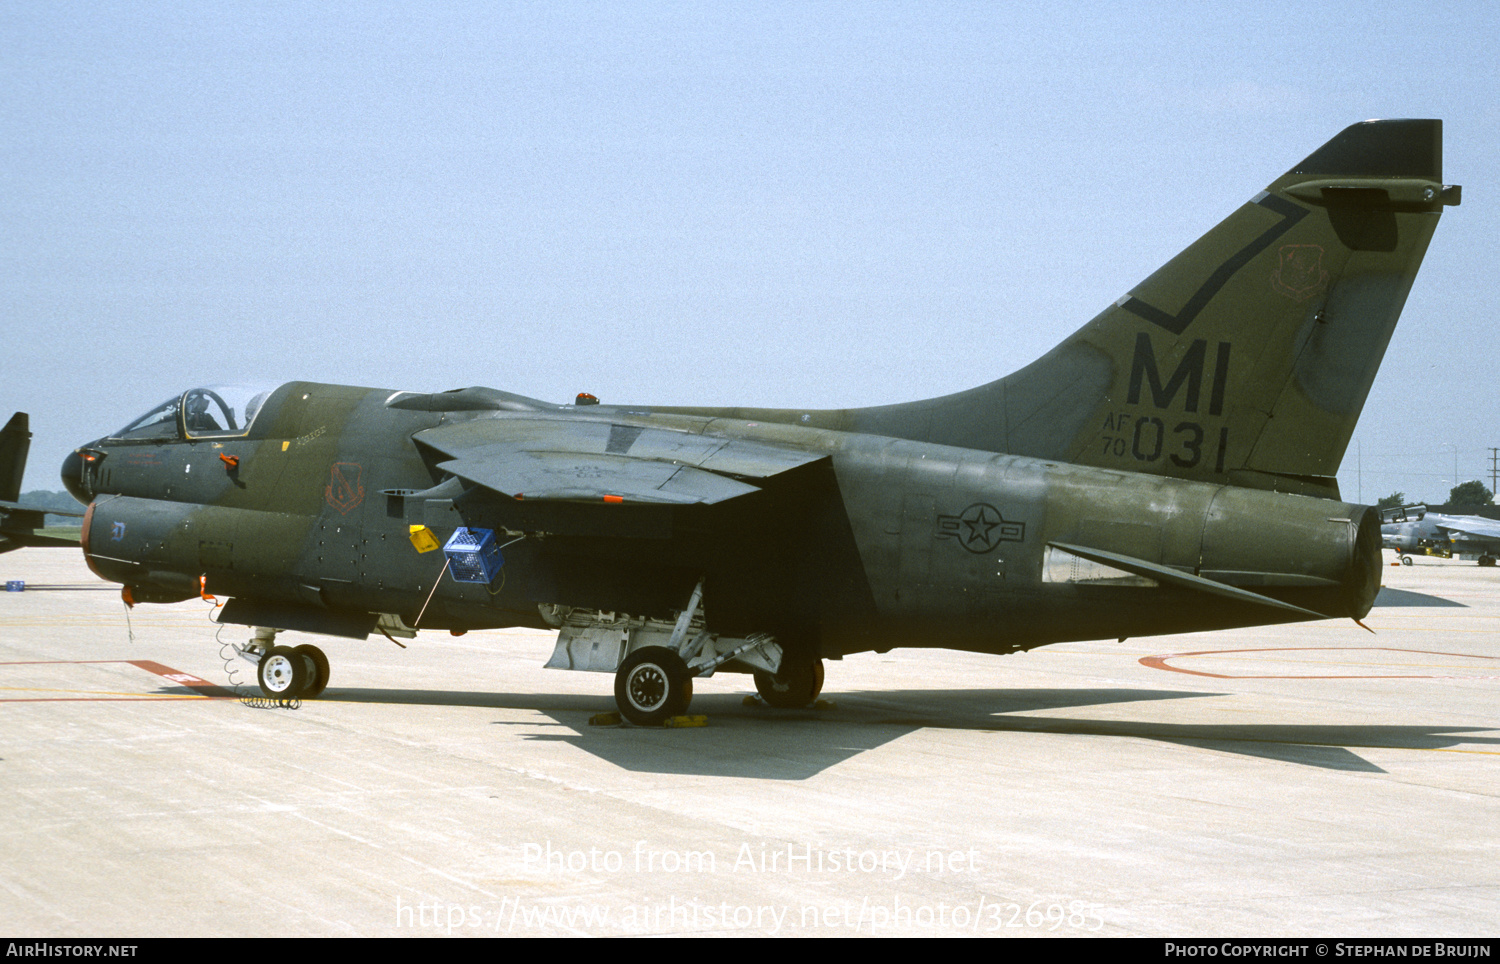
(66, 538)
(37, 512)
(1183, 580)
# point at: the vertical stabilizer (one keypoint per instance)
(15, 441)
(1246, 359)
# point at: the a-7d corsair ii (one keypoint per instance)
(1168, 468)
(1411, 528)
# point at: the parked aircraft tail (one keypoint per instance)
(15, 441)
(1244, 360)
(19, 524)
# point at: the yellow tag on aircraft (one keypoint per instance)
(422, 538)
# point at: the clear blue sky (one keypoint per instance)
(809, 204)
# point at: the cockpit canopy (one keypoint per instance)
(218, 411)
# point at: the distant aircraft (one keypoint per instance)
(1169, 467)
(1411, 528)
(19, 522)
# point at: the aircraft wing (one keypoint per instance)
(1472, 527)
(590, 461)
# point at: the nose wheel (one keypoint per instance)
(286, 673)
(282, 673)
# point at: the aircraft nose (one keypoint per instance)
(72, 477)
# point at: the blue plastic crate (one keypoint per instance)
(473, 555)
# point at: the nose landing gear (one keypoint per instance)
(286, 673)
(282, 674)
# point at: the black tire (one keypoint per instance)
(317, 676)
(282, 674)
(1486, 560)
(1406, 560)
(652, 686)
(797, 684)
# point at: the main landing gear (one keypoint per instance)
(655, 683)
(655, 661)
(287, 673)
(796, 685)
(652, 686)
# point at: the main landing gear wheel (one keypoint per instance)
(283, 673)
(317, 674)
(652, 686)
(797, 684)
(1486, 560)
(1406, 560)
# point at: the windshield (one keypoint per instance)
(160, 422)
(218, 411)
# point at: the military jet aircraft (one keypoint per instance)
(1169, 467)
(1411, 528)
(20, 522)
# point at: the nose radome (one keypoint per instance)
(72, 477)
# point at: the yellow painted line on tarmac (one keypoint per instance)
(1443, 749)
(200, 688)
(99, 693)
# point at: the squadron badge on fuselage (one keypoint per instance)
(344, 490)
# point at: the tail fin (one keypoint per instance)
(15, 441)
(1246, 359)
(19, 523)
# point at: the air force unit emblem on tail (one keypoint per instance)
(1169, 467)
(1299, 273)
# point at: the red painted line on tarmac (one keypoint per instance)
(1160, 662)
(178, 676)
(202, 687)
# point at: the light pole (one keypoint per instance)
(1455, 468)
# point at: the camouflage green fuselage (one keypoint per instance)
(874, 543)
